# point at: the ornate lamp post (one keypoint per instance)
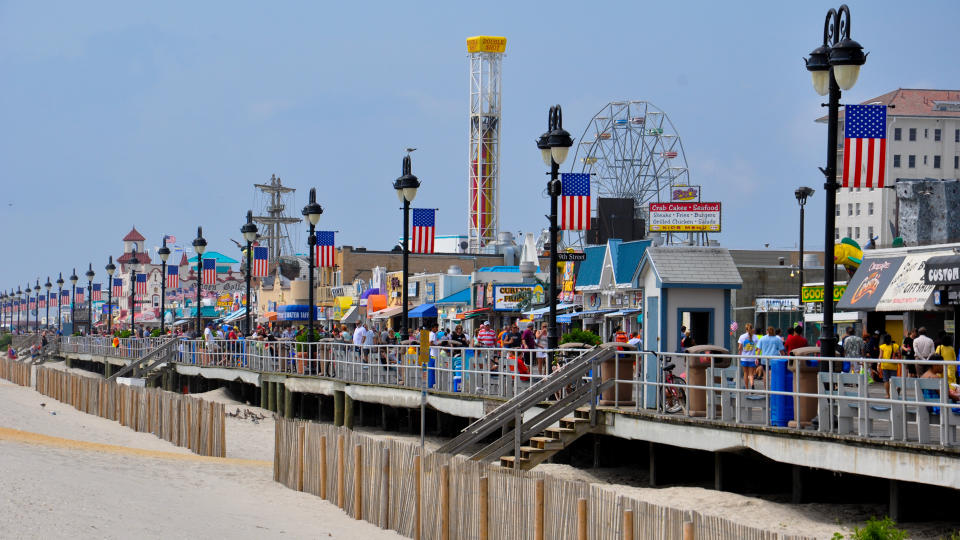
(802, 193)
(59, 299)
(46, 305)
(834, 66)
(406, 186)
(199, 245)
(312, 211)
(249, 231)
(110, 268)
(90, 273)
(554, 145)
(19, 309)
(164, 253)
(73, 297)
(36, 304)
(133, 291)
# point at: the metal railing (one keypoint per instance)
(713, 390)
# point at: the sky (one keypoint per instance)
(162, 115)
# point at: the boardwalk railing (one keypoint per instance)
(438, 496)
(182, 420)
(838, 396)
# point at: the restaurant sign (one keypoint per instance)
(814, 293)
(685, 217)
(512, 297)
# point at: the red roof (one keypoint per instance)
(183, 260)
(133, 236)
(917, 102)
(141, 258)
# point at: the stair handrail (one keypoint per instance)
(163, 347)
(535, 394)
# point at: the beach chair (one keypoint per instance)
(724, 380)
(853, 385)
(928, 390)
(746, 402)
(898, 413)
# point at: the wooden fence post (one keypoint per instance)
(358, 482)
(211, 407)
(538, 510)
(385, 489)
(445, 502)
(300, 436)
(484, 510)
(628, 524)
(340, 479)
(688, 533)
(581, 519)
(416, 507)
(323, 467)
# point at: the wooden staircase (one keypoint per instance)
(553, 439)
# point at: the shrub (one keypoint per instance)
(155, 333)
(580, 336)
(876, 529)
(124, 334)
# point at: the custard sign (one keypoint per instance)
(685, 217)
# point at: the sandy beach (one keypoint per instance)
(133, 485)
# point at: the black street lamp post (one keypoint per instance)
(554, 145)
(312, 211)
(36, 305)
(133, 293)
(110, 268)
(249, 231)
(199, 245)
(73, 298)
(406, 186)
(164, 253)
(834, 66)
(19, 309)
(46, 304)
(59, 299)
(90, 273)
(802, 193)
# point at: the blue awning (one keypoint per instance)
(565, 319)
(623, 312)
(459, 297)
(423, 310)
(235, 315)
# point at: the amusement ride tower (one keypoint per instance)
(486, 55)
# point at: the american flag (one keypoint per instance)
(575, 201)
(141, 287)
(209, 270)
(260, 264)
(78, 296)
(33, 303)
(43, 300)
(325, 252)
(864, 145)
(53, 299)
(170, 239)
(670, 154)
(96, 293)
(117, 287)
(173, 277)
(424, 221)
(64, 298)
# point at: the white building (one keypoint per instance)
(923, 141)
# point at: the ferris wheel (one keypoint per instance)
(631, 150)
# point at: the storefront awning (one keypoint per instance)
(473, 314)
(942, 270)
(540, 312)
(386, 313)
(891, 284)
(459, 297)
(423, 311)
(351, 316)
(376, 302)
(622, 313)
(235, 315)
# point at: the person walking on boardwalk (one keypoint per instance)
(747, 348)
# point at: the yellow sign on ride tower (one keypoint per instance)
(487, 44)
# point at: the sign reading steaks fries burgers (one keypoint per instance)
(868, 283)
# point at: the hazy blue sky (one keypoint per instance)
(162, 115)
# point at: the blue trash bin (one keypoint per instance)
(431, 372)
(781, 380)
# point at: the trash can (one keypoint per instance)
(697, 375)
(431, 372)
(804, 382)
(781, 380)
(619, 366)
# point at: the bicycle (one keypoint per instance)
(674, 397)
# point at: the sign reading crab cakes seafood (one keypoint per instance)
(869, 283)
